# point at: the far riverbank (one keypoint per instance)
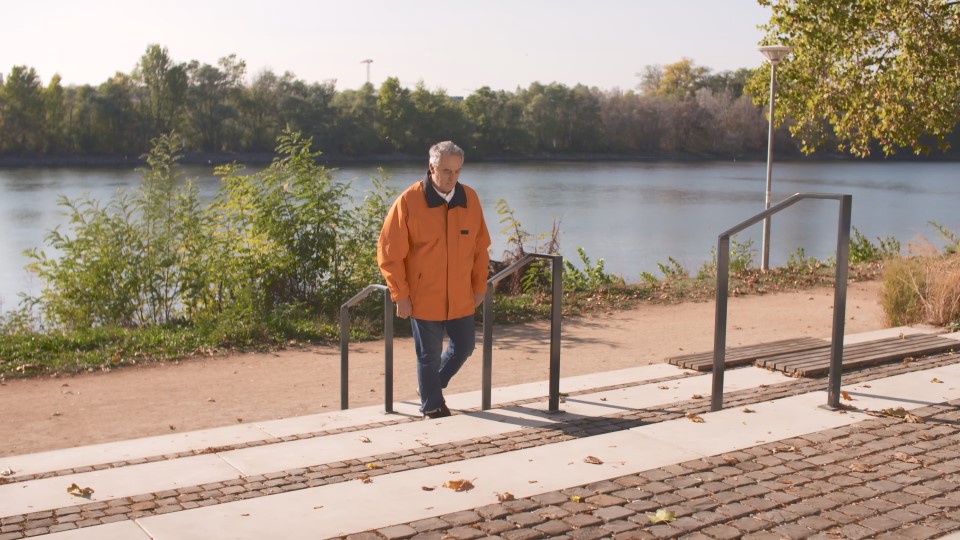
(265, 158)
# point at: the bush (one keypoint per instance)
(922, 290)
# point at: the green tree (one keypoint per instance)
(213, 95)
(883, 72)
(163, 90)
(494, 117)
(22, 107)
(355, 122)
(396, 115)
(436, 117)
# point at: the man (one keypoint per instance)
(433, 255)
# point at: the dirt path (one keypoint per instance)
(45, 414)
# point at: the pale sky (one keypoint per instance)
(458, 46)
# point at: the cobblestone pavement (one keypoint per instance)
(887, 477)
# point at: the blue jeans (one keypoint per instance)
(435, 369)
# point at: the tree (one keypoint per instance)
(395, 112)
(875, 71)
(213, 96)
(679, 80)
(163, 90)
(21, 102)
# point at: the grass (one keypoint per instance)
(31, 354)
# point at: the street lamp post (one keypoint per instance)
(367, 62)
(774, 53)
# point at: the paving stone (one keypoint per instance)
(553, 527)
(463, 533)
(398, 532)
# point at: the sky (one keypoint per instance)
(456, 46)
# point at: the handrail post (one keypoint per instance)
(720, 322)
(839, 294)
(555, 318)
(839, 302)
(487, 376)
(344, 355)
(387, 352)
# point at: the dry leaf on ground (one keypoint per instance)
(459, 485)
(505, 496)
(77, 491)
(576, 498)
(936, 380)
(694, 418)
(845, 395)
(860, 467)
(662, 516)
(365, 478)
(914, 419)
(906, 458)
(427, 488)
(364, 439)
(593, 460)
(748, 410)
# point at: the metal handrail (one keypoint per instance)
(839, 294)
(555, 316)
(387, 345)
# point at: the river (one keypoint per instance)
(633, 215)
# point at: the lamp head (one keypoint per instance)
(775, 53)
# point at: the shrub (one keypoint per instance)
(922, 290)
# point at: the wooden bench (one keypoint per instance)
(748, 354)
(816, 362)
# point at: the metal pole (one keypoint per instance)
(555, 316)
(765, 258)
(344, 355)
(720, 323)
(387, 352)
(839, 302)
(487, 376)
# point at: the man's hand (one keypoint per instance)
(404, 308)
(478, 299)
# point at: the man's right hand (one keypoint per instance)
(404, 308)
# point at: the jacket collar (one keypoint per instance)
(434, 199)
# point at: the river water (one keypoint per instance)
(632, 215)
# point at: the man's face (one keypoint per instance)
(446, 174)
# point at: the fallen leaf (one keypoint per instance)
(427, 488)
(867, 386)
(777, 449)
(77, 491)
(505, 496)
(592, 460)
(532, 481)
(936, 380)
(898, 412)
(913, 419)
(730, 460)
(694, 418)
(845, 395)
(364, 439)
(907, 360)
(459, 485)
(211, 400)
(860, 467)
(603, 399)
(748, 410)
(906, 458)
(365, 479)
(576, 498)
(662, 516)
(173, 428)
(663, 387)
(6, 472)
(696, 396)
(372, 466)
(244, 515)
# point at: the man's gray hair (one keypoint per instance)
(445, 148)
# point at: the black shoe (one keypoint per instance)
(442, 412)
(444, 409)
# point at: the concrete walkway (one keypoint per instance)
(775, 463)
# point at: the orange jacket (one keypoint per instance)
(435, 253)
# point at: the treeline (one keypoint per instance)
(678, 108)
